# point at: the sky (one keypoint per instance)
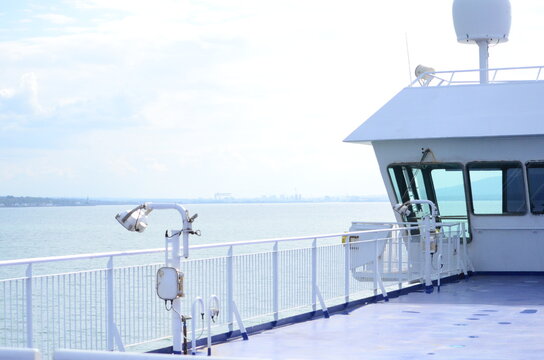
(185, 99)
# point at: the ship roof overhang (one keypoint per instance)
(462, 111)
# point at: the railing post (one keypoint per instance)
(109, 305)
(346, 269)
(399, 255)
(29, 322)
(275, 282)
(375, 274)
(175, 321)
(314, 275)
(427, 255)
(229, 289)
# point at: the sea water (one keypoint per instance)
(53, 231)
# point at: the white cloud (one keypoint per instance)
(56, 19)
(191, 98)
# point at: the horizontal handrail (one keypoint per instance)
(437, 78)
(26, 261)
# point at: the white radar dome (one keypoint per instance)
(477, 20)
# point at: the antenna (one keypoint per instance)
(482, 22)
(408, 57)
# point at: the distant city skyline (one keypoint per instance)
(186, 99)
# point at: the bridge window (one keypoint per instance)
(497, 188)
(442, 183)
(535, 178)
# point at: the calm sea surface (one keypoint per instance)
(53, 231)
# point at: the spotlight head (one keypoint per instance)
(402, 209)
(133, 220)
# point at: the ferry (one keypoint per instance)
(457, 276)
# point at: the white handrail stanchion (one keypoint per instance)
(239, 321)
(230, 289)
(275, 283)
(109, 303)
(314, 275)
(29, 320)
(347, 256)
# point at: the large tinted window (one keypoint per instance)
(497, 188)
(535, 178)
(442, 183)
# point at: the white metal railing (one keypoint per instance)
(472, 77)
(111, 307)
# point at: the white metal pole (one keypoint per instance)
(346, 269)
(230, 289)
(375, 273)
(109, 295)
(483, 48)
(176, 304)
(314, 275)
(427, 243)
(275, 282)
(29, 320)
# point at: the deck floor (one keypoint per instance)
(484, 317)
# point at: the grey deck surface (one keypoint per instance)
(484, 317)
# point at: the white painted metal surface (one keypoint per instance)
(514, 109)
(500, 243)
(487, 20)
(19, 354)
(98, 309)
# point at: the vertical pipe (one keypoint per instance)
(275, 282)
(483, 48)
(450, 253)
(229, 289)
(347, 249)
(375, 272)
(409, 258)
(399, 255)
(176, 304)
(428, 259)
(465, 253)
(314, 275)
(29, 306)
(109, 302)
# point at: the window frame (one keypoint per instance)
(528, 165)
(434, 165)
(491, 163)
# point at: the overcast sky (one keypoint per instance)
(114, 98)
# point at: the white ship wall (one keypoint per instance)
(500, 242)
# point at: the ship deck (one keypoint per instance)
(482, 317)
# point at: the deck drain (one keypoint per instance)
(528, 311)
(504, 323)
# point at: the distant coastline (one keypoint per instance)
(28, 201)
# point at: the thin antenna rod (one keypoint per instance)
(408, 57)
